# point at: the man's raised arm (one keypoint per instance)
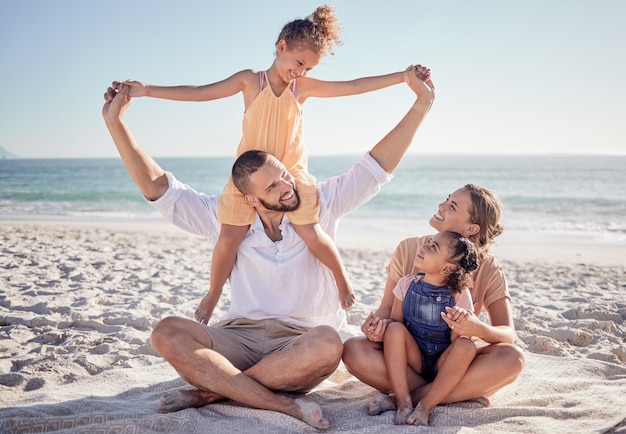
(390, 150)
(147, 174)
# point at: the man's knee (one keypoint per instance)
(325, 342)
(165, 335)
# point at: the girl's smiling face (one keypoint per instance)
(295, 62)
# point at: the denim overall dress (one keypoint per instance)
(422, 306)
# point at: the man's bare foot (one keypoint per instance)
(188, 398)
(380, 403)
(402, 415)
(311, 413)
(419, 416)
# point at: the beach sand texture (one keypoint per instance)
(78, 303)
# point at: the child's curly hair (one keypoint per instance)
(463, 254)
(319, 32)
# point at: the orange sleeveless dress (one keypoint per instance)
(273, 124)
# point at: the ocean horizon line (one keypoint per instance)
(409, 154)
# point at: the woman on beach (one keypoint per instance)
(417, 337)
(273, 123)
(474, 212)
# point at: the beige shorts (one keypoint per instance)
(245, 342)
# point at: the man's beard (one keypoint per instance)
(281, 207)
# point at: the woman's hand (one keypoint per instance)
(374, 327)
(461, 321)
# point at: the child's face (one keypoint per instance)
(433, 256)
(295, 62)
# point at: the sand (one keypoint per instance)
(78, 302)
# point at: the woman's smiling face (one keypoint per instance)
(453, 213)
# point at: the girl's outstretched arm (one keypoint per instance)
(207, 92)
(311, 87)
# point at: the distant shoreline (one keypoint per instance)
(375, 235)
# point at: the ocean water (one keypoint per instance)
(564, 196)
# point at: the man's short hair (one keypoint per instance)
(244, 166)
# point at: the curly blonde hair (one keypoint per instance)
(319, 32)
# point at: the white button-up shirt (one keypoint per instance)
(279, 279)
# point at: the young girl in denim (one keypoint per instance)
(418, 336)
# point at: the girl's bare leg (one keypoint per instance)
(401, 352)
(326, 251)
(452, 366)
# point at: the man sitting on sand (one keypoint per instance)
(279, 333)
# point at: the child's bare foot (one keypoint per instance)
(402, 414)
(311, 413)
(380, 403)
(419, 416)
(182, 399)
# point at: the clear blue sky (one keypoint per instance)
(535, 76)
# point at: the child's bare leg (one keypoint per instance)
(222, 262)
(400, 351)
(453, 365)
(325, 250)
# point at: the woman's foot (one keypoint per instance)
(381, 403)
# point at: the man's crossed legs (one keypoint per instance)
(247, 361)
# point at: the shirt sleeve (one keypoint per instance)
(489, 284)
(464, 300)
(399, 291)
(189, 210)
(343, 194)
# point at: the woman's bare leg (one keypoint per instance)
(494, 367)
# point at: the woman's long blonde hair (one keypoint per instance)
(485, 212)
